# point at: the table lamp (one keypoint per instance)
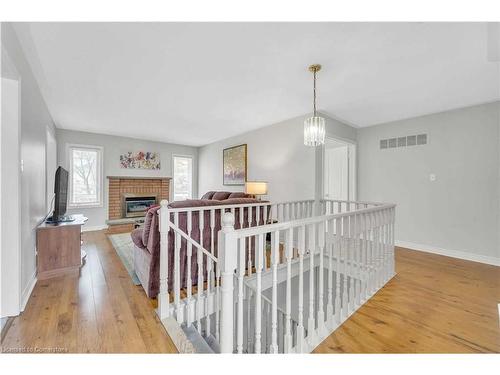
(256, 188)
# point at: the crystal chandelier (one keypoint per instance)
(314, 127)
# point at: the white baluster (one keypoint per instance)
(393, 259)
(259, 263)
(364, 257)
(241, 216)
(321, 246)
(300, 326)
(345, 251)
(249, 320)
(241, 274)
(189, 283)
(357, 289)
(377, 251)
(281, 332)
(163, 297)
(199, 296)
(330, 248)
(338, 249)
(210, 271)
(249, 242)
(386, 247)
(388, 244)
(250, 216)
(385, 242)
(275, 253)
(352, 254)
(289, 256)
(267, 347)
(177, 271)
(382, 248)
(312, 250)
(217, 285)
(372, 253)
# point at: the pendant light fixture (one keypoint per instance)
(314, 127)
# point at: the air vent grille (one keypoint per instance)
(409, 140)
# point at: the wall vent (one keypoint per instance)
(409, 140)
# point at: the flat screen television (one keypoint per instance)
(61, 197)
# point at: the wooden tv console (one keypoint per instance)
(59, 248)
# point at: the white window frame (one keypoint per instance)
(173, 174)
(100, 179)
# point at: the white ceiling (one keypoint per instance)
(195, 83)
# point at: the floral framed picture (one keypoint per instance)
(235, 165)
(140, 160)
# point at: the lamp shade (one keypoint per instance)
(256, 187)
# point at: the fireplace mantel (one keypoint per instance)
(138, 177)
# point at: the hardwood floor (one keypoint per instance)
(100, 311)
(434, 304)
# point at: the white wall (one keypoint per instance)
(457, 213)
(113, 146)
(10, 242)
(51, 165)
(276, 154)
(35, 118)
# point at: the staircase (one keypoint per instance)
(273, 288)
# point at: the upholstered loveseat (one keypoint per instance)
(147, 238)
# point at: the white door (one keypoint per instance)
(339, 170)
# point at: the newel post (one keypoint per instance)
(163, 297)
(228, 259)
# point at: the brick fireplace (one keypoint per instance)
(122, 189)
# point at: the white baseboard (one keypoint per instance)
(92, 228)
(27, 291)
(494, 261)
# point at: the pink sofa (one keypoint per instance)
(147, 239)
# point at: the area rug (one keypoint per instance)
(124, 247)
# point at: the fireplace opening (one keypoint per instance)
(137, 206)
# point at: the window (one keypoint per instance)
(183, 177)
(85, 176)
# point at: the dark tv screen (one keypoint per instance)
(61, 193)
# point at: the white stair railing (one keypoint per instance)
(198, 302)
(350, 254)
(280, 277)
